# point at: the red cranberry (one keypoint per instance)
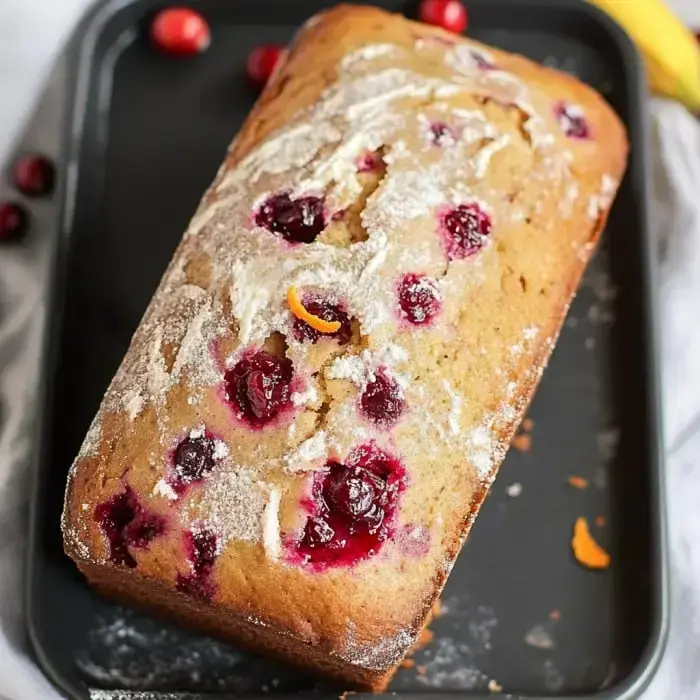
(441, 134)
(448, 14)
(180, 31)
(262, 62)
(127, 524)
(354, 508)
(382, 400)
(14, 221)
(258, 386)
(572, 121)
(419, 299)
(465, 230)
(33, 175)
(193, 459)
(369, 162)
(357, 493)
(202, 551)
(326, 310)
(296, 220)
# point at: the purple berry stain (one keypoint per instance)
(126, 524)
(572, 121)
(202, 547)
(442, 135)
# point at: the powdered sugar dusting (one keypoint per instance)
(309, 455)
(456, 409)
(380, 655)
(232, 504)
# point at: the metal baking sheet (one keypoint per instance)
(145, 135)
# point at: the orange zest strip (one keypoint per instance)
(586, 550)
(578, 482)
(297, 308)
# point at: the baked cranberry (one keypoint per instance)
(296, 220)
(262, 62)
(440, 134)
(369, 162)
(572, 121)
(202, 549)
(354, 506)
(259, 387)
(193, 459)
(14, 221)
(419, 299)
(482, 63)
(465, 230)
(448, 14)
(33, 175)
(180, 31)
(127, 524)
(327, 310)
(382, 400)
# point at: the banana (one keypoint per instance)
(671, 53)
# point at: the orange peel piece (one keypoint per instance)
(578, 482)
(586, 550)
(298, 309)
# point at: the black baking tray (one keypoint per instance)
(146, 135)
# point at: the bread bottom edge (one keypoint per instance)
(149, 597)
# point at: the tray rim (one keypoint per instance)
(79, 59)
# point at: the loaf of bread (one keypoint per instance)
(320, 393)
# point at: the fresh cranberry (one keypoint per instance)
(354, 507)
(369, 162)
(419, 299)
(262, 62)
(572, 121)
(180, 31)
(465, 230)
(127, 524)
(296, 220)
(441, 134)
(193, 459)
(258, 386)
(382, 400)
(326, 310)
(448, 14)
(202, 551)
(14, 221)
(33, 175)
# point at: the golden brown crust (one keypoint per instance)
(549, 196)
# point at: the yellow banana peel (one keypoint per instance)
(671, 53)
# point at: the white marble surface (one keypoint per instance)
(31, 35)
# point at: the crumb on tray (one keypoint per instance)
(494, 686)
(522, 442)
(514, 490)
(578, 482)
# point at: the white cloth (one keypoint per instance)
(31, 33)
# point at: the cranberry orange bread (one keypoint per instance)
(332, 368)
